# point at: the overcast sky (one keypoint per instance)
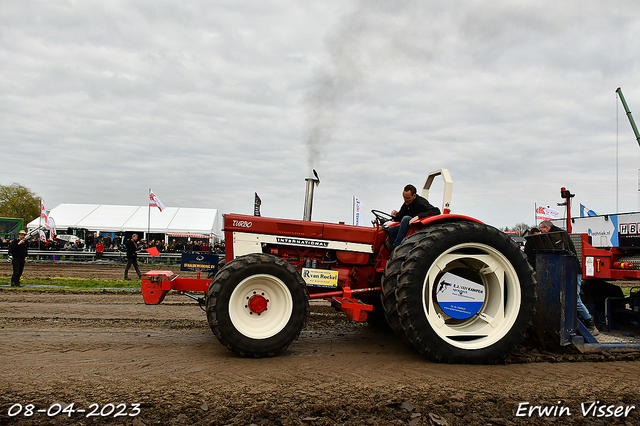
(207, 102)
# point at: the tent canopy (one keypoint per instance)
(110, 218)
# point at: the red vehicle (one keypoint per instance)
(456, 289)
(608, 247)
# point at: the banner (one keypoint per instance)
(52, 227)
(546, 213)
(199, 262)
(154, 201)
(43, 213)
(357, 212)
(584, 212)
(256, 205)
(43, 237)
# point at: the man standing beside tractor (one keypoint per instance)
(583, 313)
(414, 208)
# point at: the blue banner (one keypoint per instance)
(199, 262)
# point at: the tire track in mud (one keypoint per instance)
(108, 347)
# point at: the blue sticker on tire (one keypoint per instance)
(458, 297)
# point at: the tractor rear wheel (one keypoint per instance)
(257, 305)
(390, 285)
(466, 293)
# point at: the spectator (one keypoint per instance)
(99, 249)
(90, 241)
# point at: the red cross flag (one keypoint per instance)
(154, 201)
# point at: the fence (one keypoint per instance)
(90, 256)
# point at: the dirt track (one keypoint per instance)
(109, 348)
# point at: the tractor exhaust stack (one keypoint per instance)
(312, 182)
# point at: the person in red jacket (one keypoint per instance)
(99, 249)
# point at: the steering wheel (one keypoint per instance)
(381, 216)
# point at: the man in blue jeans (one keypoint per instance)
(583, 313)
(414, 208)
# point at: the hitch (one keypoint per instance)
(201, 300)
(354, 308)
(156, 284)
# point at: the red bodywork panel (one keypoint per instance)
(359, 272)
(355, 269)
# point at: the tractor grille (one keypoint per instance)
(290, 229)
(576, 239)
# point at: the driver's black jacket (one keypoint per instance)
(419, 207)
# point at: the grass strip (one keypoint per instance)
(75, 283)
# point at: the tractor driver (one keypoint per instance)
(414, 208)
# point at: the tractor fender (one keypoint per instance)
(440, 218)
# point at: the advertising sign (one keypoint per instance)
(357, 212)
(199, 262)
(458, 297)
(546, 213)
(320, 277)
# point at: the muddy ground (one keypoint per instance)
(107, 347)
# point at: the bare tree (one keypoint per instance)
(521, 227)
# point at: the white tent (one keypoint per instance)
(109, 218)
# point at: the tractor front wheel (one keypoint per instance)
(257, 305)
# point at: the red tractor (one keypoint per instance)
(456, 289)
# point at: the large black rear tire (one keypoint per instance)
(466, 293)
(257, 305)
(390, 285)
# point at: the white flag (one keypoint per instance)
(357, 212)
(52, 227)
(43, 213)
(43, 237)
(154, 201)
(546, 213)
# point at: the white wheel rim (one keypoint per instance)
(269, 322)
(502, 297)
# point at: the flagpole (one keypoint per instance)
(149, 217)
(353, 209)
(40, 224)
